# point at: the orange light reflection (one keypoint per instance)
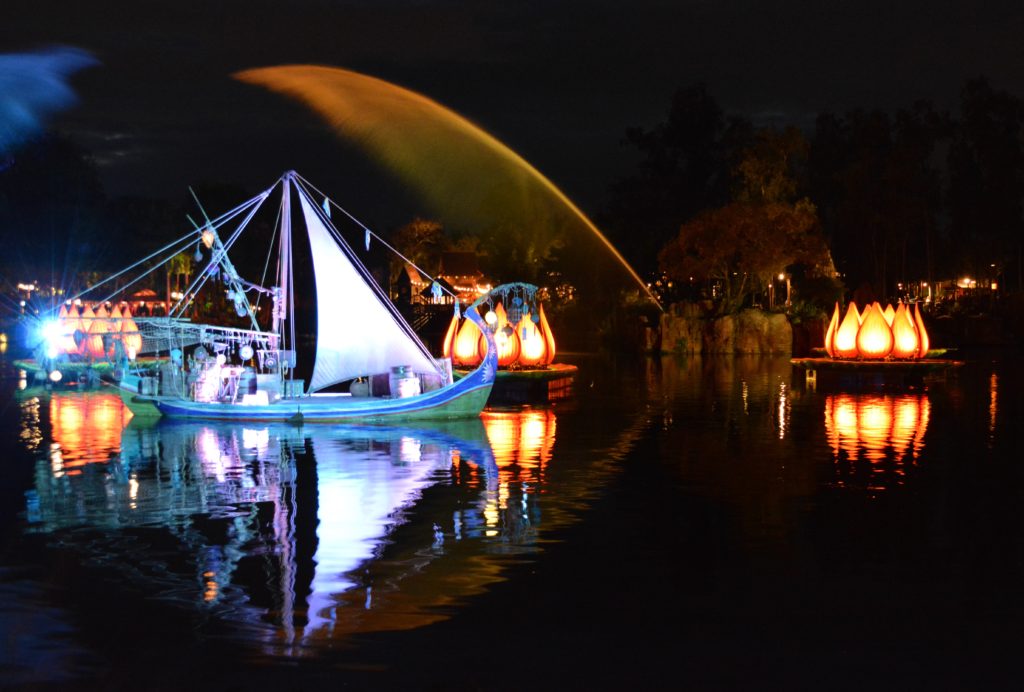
(877, 434)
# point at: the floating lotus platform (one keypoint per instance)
(515, 315)
(551, 383)
(876, 349)
(874, 374)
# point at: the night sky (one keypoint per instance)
(558, 82)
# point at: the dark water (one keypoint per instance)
(680, 524)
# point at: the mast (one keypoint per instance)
(284, 272)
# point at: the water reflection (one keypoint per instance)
(876, 435)
(299, 535)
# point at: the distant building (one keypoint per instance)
(462, 272)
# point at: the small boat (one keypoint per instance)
(369, 364)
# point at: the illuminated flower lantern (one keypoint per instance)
(524, 340)
(463, 346)
(94, 345)
(877, 334)
(532, 344)
(85, 320)
(130, 336)
(68, 318)
(505, 337)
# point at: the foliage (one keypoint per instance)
(686, 167)
(742, 245)
(422, 242)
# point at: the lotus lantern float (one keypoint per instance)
(521, 332)
(877, 334)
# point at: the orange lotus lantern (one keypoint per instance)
(464, 345)
(875, 335)
(130, 335)
(94, 345)
(533, 344)
(525, 340)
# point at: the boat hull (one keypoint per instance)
(451, 402)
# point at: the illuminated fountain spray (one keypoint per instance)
(456, 166)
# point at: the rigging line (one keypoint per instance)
(224, 254)
(252, 206)
(270, 251)
(178, 241)
(357, 264)
(182, 240)
(138, 278)
(379, 239)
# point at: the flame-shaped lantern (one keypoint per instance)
(873, 335)
(130, 335)
(526, 343)
(464, 346)
(532, 342)
(94, 345)
(505, 338)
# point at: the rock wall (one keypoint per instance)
(684, 329)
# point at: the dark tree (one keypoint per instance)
(986, 163)
(686, 168)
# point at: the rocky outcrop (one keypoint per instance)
(684, 329)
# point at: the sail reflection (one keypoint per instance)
(877, 434)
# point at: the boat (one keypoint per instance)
(369, 364)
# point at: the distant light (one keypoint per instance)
(782, 277)
(208, 238)
(55, 376)
(491, 318)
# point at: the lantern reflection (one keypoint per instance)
(521, 442)
(87, 427)
(876, 429)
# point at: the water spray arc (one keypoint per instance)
(451, 162)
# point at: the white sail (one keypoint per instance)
(357, 334)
